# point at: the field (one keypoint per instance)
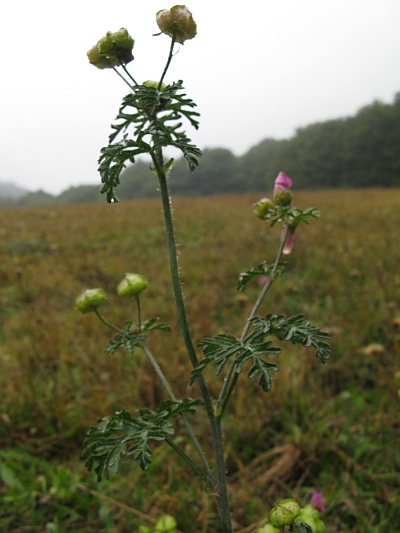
(332, 427)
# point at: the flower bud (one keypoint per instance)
(132, 285)
(154, 84)
(90, 299)
(284, 513)
(311, 516)
(263, 207)
(177, 22)
(282, 182)
(165, 523)
(282, 198)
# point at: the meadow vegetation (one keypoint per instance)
(333, 428)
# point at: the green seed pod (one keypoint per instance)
(284, 513)
(90, 299)
(100, 61)
(177, 22)
(132, 285)
(263, 207)
(165, 523)
(282, 198)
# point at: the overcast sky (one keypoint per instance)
(255, 72)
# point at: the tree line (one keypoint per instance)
(357, 151)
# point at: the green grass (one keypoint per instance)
(333, 427)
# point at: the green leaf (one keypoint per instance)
(133, 337)
(122, 434)
(222, 347)
(155, 118)
(303, 527)
(296, 329)
(263, 269)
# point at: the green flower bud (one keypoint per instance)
(311, 516)
(131, 285)
(90, 299)
(284, 513)
(263, 207)
(154, 84)
(177, 22)
(165, 523)
(282, 198)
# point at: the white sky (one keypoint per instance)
(255, 72)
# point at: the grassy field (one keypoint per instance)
(332, 427)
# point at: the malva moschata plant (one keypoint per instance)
(149, 120)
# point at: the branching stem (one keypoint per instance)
(231, 378)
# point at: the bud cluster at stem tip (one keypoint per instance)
(112, 50)
(177, 22)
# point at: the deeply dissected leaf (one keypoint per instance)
(155, 117)
(122, 434)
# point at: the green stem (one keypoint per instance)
(107, 323)
(122, 78)
(230, 380)
(168, 63)
(129, 74)
(179, 450)
(185, 421)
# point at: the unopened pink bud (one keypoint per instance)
(282, 182)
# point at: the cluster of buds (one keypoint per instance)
(112, 50)
(285, 512)
(282, 197)
(130, 287)
(177, 22)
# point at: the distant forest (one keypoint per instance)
(358, 151)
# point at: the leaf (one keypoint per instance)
(296, 329)
(156, 118)
(303, 527)
(263, 269)
(222, 347)
(132, 336)
(122, 434)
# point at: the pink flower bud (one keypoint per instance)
(318, 501)
(177, 22)
(282, 182)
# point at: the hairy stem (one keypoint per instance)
(223, 502)
(185, 421)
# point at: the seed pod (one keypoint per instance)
(263, 207)
(177, 22)
(284, 513)
(132, 285)
(90, 299)
(165, 523)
